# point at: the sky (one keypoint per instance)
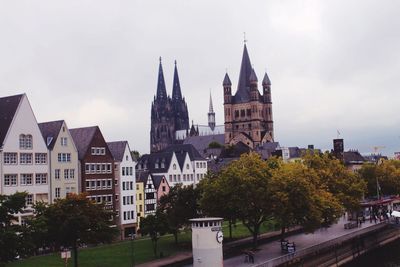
(334, 65)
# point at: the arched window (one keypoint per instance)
(22, 141)
(187, 166)
(174, 166)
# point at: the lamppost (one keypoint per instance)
(132, 236)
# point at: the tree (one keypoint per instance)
(344, 184)
(297, 200)
(217, 200)
(77, 220)
(179, 205)
(244, 185)
(135, 155)
(386, 175)
(215, 144)
(155, 226)
(12, 239)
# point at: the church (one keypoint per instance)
(168, 114)
(248, 113)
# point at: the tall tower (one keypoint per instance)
(248, 114)
(168, 115)
(162, 122)
(211, 115)
(181, 114)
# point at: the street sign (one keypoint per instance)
(66, 254)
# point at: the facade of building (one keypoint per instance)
(168, 114)
(180, 164)
(125, 187)
(248, 114)
(24, 160)
(140, 197)
(96, 165)
(63, 159)
(161, 185)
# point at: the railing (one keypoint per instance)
(307, 251)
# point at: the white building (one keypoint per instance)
(180, 164)
(63, 159)
(24, 156)
(125, 187)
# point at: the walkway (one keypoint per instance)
(272, 249)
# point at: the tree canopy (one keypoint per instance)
(155, 226)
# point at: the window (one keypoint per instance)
(57, 192)
(57, 173)
(137, 187)
(26, 179)
(197, 164)
(40, 158)
(41, 178)
(98, 150)
(163, 189)
(64, 157)
(66, 174)
(25, 141)
(187, 166)
(179, 177)
(29, 199)
(109, 183)
(150, 207)
(103, 184)
(10, 180)
(174, 166)
(149, 195)
(170, 179)
(116, 197)
(140, 196)
(131, 185)
(140, 208)
(108, 167)
(174, 177)
(198, 177)
(71, 173)
(191, 177)
(10, 158)
(64, 141)
(123, 171)
(25, 158)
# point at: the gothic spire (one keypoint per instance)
(227, 81)
(242, 94)
(176, 89)
(266, 80)
(211, 108)
(161, 91)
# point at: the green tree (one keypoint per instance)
(215, 144)
(386, 174)
(12, 239)
(135, 155)
(297, 200)
(76, 220)
(244, 185)
(344, 184)
(218, 200)
(155, 226)
(179, 205)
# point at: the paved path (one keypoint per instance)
(272, 249)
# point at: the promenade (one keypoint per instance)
(271, 250)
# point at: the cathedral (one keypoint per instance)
(168, 114)
(248, 114)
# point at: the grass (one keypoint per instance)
(120, 254)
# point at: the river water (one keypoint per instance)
(386, 256)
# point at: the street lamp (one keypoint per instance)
(132, 236)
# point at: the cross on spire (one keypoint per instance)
(244, 38)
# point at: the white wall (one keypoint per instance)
(127, 163)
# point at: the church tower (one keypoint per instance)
(248, 114)
(181, 114)
(167, 114)
(211, 115)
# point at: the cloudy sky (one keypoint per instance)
(334, 65)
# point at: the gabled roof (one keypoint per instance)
(151, 159)
(157, 180)
(117, 149)
(50, 131)
(190, 149)
(8, 108)
(82, 138)
(353, 157)
(141, 176)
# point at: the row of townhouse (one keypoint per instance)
(157, 172)
(48, 161)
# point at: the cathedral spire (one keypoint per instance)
(161, 91)
(176, 89)
(210, 107)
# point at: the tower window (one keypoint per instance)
(242, 113)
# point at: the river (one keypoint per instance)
(386, 256)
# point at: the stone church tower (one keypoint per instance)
(167, 114)
(248, 114)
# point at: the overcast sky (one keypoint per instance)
(334, 65)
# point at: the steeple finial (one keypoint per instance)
(227, 81)
(176, 89)
(244, 38)
(161, 91)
